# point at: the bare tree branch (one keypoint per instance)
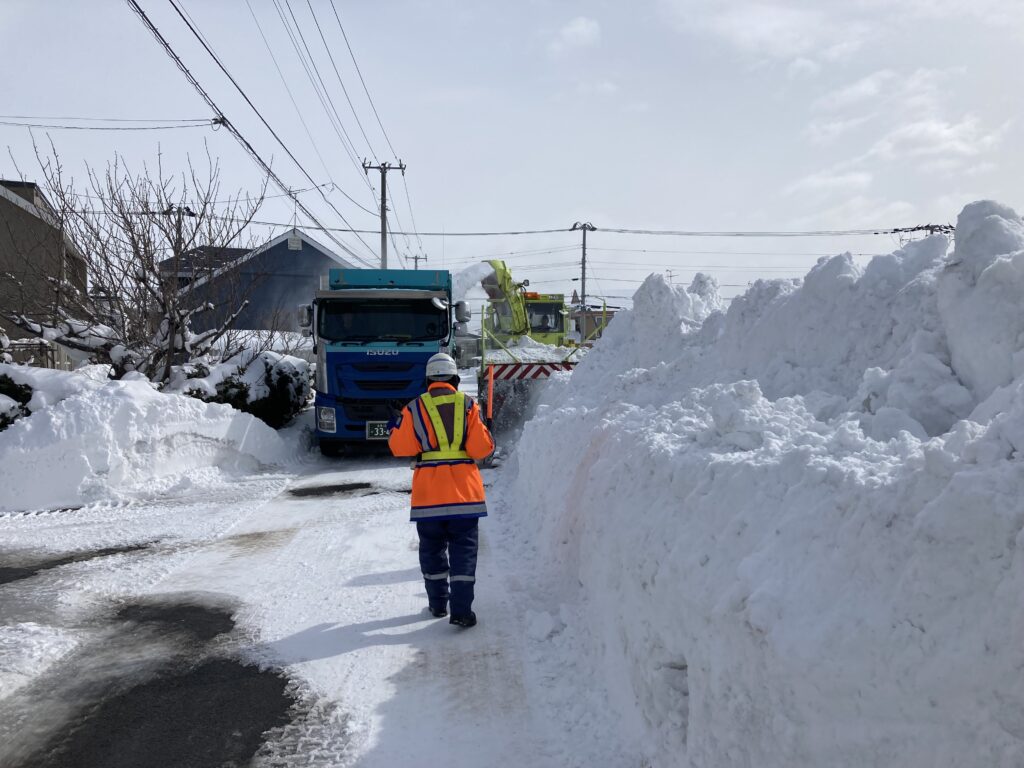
(138, 233)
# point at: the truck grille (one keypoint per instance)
(383, 367)
(371, 385)
(369, 410)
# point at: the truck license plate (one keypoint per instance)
(376, 430)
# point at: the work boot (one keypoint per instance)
(438, 611)
(466, 620)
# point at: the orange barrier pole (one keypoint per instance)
(490, 392)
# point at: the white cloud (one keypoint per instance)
(860, 212)
(637, 107)
(599, 88)
(802, 68)
(581, 32)
(830, 181)
(801, 33)
(845, 48)
(856, 93)
(912, 122)
(455, 95)
(767, 29)
(827, 131)
(936, 138)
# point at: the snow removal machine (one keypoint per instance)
(523, 338)
(373, 331)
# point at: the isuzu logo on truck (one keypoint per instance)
(382, 352)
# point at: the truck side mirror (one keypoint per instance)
(462, 312)
(461, 329)
(305, 315)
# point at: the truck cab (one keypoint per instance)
(373, 331)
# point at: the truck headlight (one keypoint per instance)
(325, 420)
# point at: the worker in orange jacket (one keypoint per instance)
(443, 429)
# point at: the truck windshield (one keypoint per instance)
(544, 317)
(381, 320)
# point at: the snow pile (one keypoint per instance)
(88, 440)
(527, 350)
(791, 534)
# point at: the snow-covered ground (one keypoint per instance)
(783, 534)
(321, 565)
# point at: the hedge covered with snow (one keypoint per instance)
(274, 388)
(792, 529)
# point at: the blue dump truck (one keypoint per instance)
(373, 332)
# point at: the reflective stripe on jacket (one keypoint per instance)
(443, 429)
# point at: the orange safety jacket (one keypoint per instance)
(443, 429)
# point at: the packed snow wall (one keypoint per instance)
(789, 533)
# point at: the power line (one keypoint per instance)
(376, 115)
(313, 74)
(109, 119)
(931, 228)
(341, 82)
(225, 200)
(724, 253)
(298, 111)
(361, 80)
(137, 9)
(686, 267)
(65, 127)
(263, 120)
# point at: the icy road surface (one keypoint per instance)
(282, 612)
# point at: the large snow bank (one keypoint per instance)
(758, 548)
(88, 440)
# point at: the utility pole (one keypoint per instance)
(383, 168)
(177, 247)
(417, 258)
(586, 227)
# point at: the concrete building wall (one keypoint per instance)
(33, 256)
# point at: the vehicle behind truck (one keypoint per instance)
(373, 332)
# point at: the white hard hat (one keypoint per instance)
(441, 366)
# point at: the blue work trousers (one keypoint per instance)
(448, 554)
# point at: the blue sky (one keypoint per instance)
(679, 114)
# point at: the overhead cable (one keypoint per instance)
(263, 120)
(376, 115)
(66, 127)
(931, 228)
(137, 9)
(314, 76)
(299, 112)
(341, 82)
(108, 119)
